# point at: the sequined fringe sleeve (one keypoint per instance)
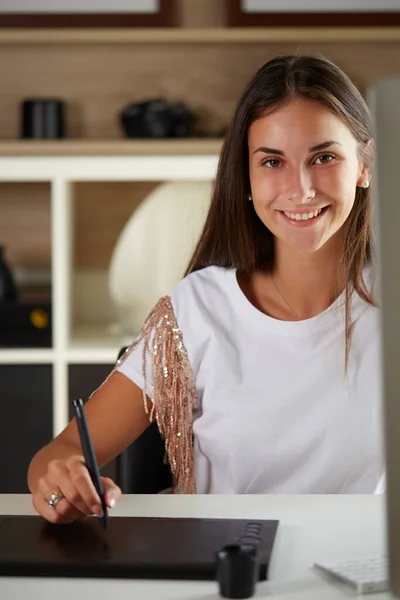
(173, 392)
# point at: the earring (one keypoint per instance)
(250, 198)
(365, 184)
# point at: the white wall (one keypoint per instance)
(383, 99)
(319, 5)
(78, 6)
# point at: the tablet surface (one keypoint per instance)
(134, 547)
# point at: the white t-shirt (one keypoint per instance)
(278, 414)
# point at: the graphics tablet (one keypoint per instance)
(134, 547)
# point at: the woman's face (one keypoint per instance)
(304, 170)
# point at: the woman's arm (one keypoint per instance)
(115, 416)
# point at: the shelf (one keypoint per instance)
(154, 167)
(70, 147)
(212, 35)
(23, 356)
(92, 344)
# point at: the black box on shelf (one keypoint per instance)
(25, 324)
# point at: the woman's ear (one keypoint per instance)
(370, 148)
(366, 169)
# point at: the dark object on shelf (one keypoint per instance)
(157, 119)
(8, 289)
(25, 325)
(237, 569)
(42, 119)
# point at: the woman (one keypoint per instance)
(261, 367)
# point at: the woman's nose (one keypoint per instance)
(299, 188)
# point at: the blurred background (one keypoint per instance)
(112, 116)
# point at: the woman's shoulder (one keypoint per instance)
(207, 281)
(200, 292)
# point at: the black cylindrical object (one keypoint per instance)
(42, 119)
(237, 570)
(8, 289)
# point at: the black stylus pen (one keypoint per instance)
(90, 458)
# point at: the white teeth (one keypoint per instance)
(303, 216)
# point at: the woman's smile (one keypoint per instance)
(303, 219)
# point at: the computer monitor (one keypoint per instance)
(384, 101)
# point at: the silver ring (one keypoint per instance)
(54, 499)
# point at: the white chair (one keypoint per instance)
(154, 248)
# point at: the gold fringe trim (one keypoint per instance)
(173, 396)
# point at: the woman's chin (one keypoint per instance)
(304, 246)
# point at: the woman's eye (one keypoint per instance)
(272, 162)
(325, 158)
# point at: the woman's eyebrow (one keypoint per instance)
(322, 146)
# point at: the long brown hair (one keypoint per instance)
(233, 234)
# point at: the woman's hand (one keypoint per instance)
(79, 498)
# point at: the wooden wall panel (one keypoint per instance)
(97, 80)
(101, 211)
(201, 13)
(25, 223)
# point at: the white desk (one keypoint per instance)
(311, 528)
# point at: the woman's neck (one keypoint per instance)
(308, 283)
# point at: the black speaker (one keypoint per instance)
(43, 119)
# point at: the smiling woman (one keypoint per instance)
(261, 367)
(301, 178)
(300, 147)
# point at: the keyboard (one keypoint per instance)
(365, 575)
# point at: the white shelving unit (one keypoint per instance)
(211, 35)
(88, 344)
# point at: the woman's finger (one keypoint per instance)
(62, 512)
(82, 482)
(61, 476)
(111, 491)
(62, 506)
